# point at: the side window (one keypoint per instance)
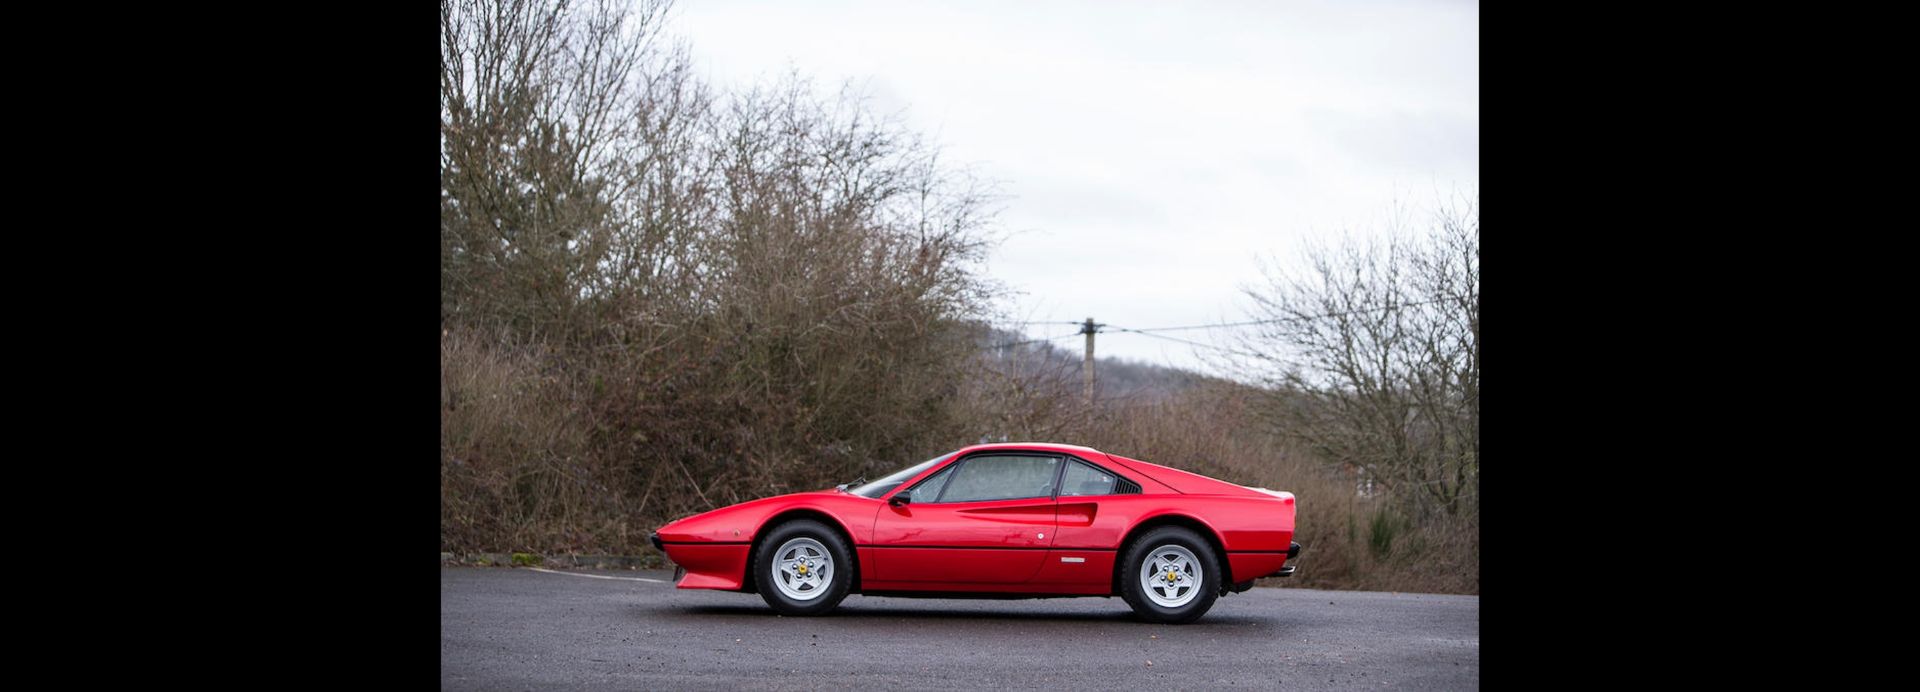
(929, 489)
(1082, 479)
(1002, 478)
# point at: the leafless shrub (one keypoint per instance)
(1372, 356)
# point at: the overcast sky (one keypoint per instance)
(1150, 152)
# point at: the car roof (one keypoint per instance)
(1032, 446)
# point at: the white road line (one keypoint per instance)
(597, 576)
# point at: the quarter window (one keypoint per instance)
(1082, 479)
(929, 489)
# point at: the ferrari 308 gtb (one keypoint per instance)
(997, 520)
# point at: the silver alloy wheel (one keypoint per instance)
(1170, 576)
(802, 569)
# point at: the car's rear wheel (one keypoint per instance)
(803, 568)
(1170, 574)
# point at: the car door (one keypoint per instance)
(985, 519)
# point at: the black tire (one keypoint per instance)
(839, 578)
(1133, 561)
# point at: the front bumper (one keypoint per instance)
(661, 546)
(678, 570)
(719, 566)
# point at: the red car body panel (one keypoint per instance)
(990, 542)
(1064, 545)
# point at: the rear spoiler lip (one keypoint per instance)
(1282, 494)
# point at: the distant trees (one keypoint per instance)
(1372, 354)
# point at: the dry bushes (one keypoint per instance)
(539, 461)
(515, 471)
(1349, 541)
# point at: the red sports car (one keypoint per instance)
(1000, 521)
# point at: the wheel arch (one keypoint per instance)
(750, 584)
(1171, 519)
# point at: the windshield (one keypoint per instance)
(885, 485)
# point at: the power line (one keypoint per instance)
(1172, 338)
(1296, 319)
(1201, 326)
(1149, 331)
(1011, 344)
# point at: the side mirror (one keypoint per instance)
(901, 499)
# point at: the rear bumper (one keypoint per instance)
(1252, 565)
(1293, 551)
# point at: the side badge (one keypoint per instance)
(1073, 559)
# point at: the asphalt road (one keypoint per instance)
(517, 629)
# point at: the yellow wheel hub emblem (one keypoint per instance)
(802, 570)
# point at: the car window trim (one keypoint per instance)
(1055, 496)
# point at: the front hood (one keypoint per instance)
(737, 523)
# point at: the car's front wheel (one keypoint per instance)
(803, 568)
(1170, 574)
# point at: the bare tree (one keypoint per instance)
(539, 106)
(659, 297)
(1372, 356)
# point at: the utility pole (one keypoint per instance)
(1086, 366)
